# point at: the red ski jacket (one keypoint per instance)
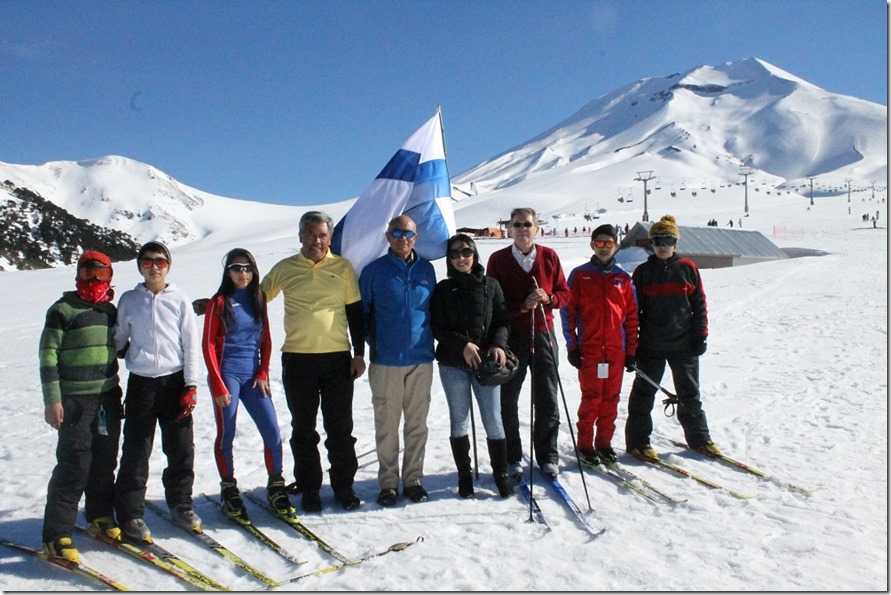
(602, 310)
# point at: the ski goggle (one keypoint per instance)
(602, 243)
(238, 267)
(159, 262)
(663, 240)
(94, 272)
(402, 233)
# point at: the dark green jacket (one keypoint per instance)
(77, 353)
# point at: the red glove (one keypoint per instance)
(187, 402)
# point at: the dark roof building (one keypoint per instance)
(712, 247)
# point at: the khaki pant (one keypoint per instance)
(398, 390)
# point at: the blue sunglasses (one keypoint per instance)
(402, 233)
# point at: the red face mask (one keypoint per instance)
(95, 292)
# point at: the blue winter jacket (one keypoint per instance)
(396, 304)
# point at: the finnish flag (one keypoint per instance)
(416, 183)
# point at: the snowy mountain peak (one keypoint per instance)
(704, 123)
(117, 193)
(697, 127)
(120, 194)
(748, 72)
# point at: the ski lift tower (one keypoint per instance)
(644, 176)
(811, 178)
(745, 172)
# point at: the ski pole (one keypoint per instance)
(531, 405)
(565, 406)
(672, 399)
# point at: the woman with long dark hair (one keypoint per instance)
(470, 325)
(237, 348)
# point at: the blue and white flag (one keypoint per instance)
(415, 183)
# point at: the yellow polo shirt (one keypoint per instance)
(316, 295)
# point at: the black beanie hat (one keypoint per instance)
(605, 230)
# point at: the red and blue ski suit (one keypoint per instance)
(600, 321)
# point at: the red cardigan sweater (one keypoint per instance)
(517, 283)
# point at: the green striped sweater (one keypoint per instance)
(77, 353)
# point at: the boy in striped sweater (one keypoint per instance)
(82, 400)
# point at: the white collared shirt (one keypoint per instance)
(524, 260)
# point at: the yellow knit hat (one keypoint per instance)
(667, 226)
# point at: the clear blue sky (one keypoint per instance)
(303, 102)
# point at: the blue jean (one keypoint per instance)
(457, 384)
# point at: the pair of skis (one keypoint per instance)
(555, 484)
(218, 548)
(166, 561)
(729, 461)
(294, 522)
(740, 466)
(344, 561)
(670, 402)
(666, 466)
(81, 569)
(633, 482)
(255, 532)
(159, 557)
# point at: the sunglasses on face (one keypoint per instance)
(457, 253)
(95, 273)
(663, 240)
(159, 262)
(602, 243)
(402, 233)
(522, 224)
(238, 267)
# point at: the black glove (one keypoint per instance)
(698, 346)
(630, 362)
(575, 358)
(200, 306)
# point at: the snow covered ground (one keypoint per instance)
(795, 382)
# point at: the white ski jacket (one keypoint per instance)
(162, 331)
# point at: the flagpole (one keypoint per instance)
(445, 152)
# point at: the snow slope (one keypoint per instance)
(794, 382)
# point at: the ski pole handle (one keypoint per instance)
(672, 399)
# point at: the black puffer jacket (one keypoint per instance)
(467, 308)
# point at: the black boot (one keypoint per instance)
(498, 458)
(277, 496)
(461, 452)
(230, 498)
